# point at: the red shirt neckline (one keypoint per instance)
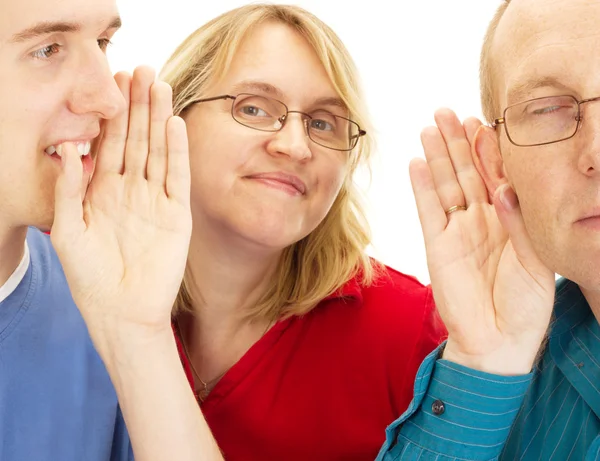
(233, 376)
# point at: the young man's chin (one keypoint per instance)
(44, 222)
(45, 228)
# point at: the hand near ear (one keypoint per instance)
(493, 293)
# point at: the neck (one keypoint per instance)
(12, 246)
(227, 276)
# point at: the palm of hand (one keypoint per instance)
(134, 232)
(492, 291)
(124, 249)
(473, 263)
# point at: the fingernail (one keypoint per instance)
(509, 199)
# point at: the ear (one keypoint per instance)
(485, 150)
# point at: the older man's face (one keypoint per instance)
(551, 48)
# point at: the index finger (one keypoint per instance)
(111, 146)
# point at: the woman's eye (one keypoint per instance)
(321, 125)
(254, 111)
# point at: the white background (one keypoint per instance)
(414, 57)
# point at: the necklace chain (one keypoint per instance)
(202, 394)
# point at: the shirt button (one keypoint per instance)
(438, 407)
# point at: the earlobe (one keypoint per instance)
(487, 158)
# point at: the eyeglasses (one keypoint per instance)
(542, 121)
(268, 114)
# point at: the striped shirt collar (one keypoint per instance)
(570, 308)
(575, 343)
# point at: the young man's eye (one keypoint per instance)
(46, 52)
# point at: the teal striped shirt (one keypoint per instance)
(551, 414)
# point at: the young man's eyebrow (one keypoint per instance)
(51, 27)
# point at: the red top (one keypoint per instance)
(326, 385)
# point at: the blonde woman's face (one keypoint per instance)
(269, 188)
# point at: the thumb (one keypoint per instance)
(507, 207)
(68, 209)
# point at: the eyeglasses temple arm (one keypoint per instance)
(498, 121)
(360, 133)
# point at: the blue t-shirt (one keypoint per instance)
(57, 402)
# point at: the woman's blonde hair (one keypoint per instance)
(332, 254)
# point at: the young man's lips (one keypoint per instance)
(83, 147)
(83, 141)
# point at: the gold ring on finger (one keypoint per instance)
(454, 208)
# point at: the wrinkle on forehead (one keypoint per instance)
(546, 38)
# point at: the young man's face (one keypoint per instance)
(55, 86)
